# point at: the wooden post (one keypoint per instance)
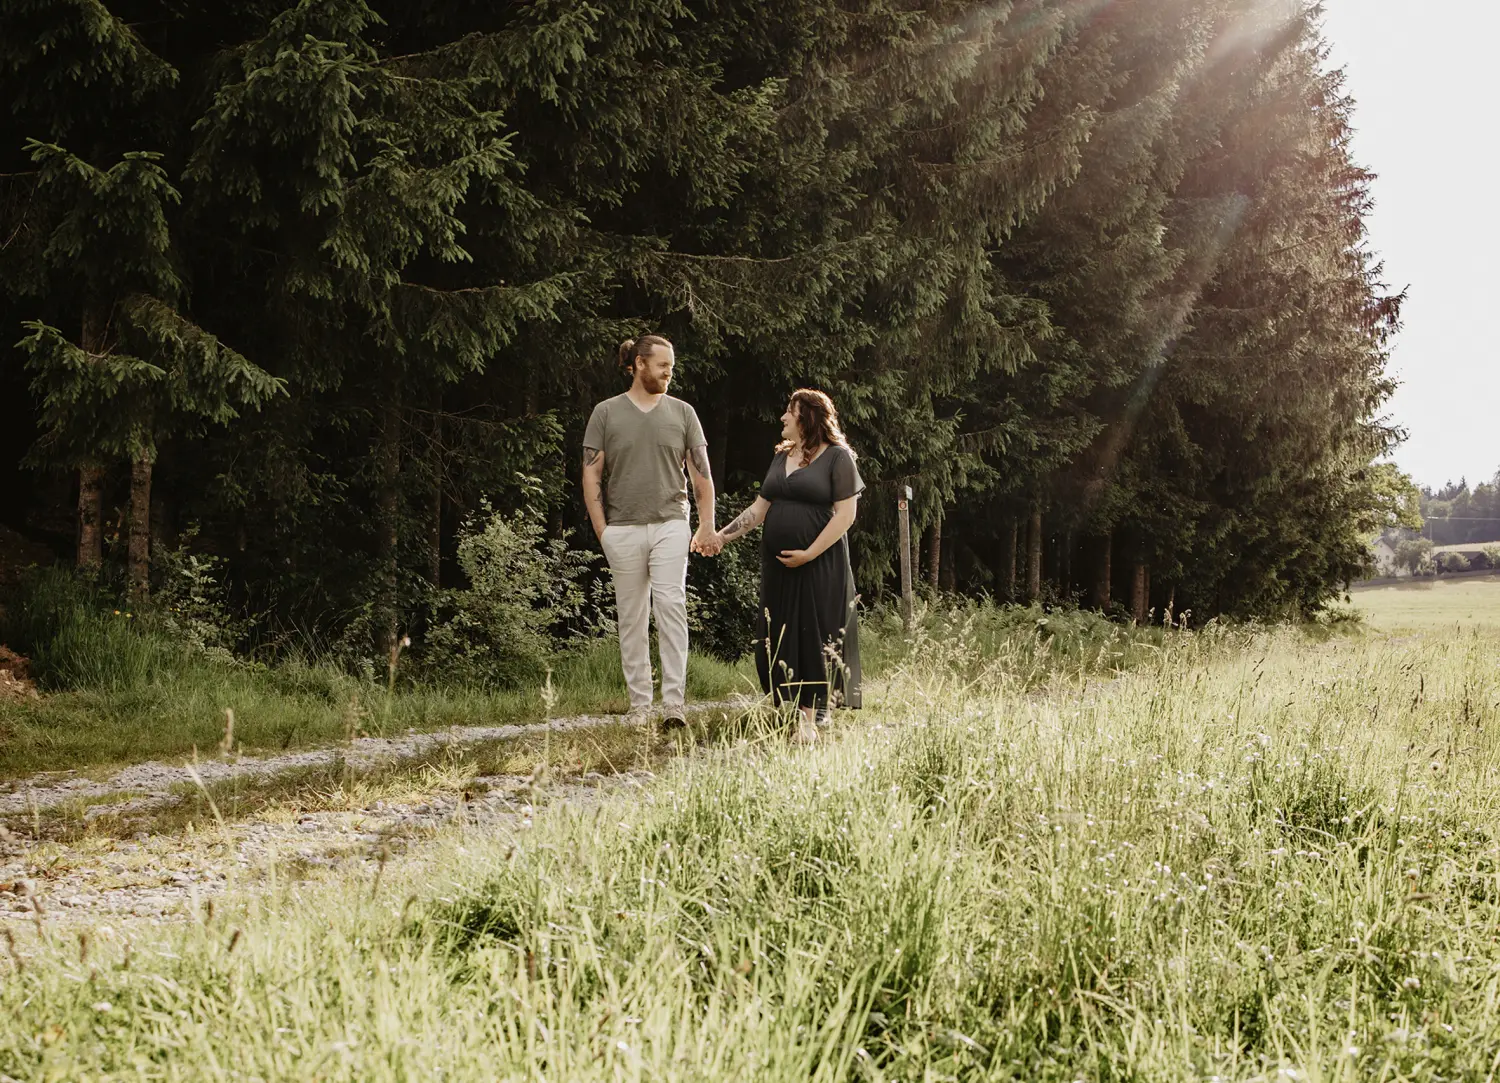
(903, 517)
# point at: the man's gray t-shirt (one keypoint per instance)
(644, 452)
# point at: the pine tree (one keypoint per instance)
(100, 251)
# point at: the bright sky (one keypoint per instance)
(1423, 76)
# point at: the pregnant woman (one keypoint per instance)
(807, 633)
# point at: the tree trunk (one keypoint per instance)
(435, 499)
(90, 517)
(948, 575)
(1104, 573)
(1034, 557)
(138, 550)
(389, 520)
(1140, 593)
(91, 475)
(934, 553)
(1012, 540)
(1065, 563)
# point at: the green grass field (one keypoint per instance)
(1249, 858)
(1469, 601)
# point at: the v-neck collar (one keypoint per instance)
(643, 410)
(788, 461)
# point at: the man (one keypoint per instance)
(635, 450)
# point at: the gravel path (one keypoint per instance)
(164, 878)
(153, 781)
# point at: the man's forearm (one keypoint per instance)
(703, 485)
(594, 502)
(703, 490)
(593, 489)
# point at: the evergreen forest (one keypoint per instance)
(319, 291)
(1459, 515)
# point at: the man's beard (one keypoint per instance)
(653, 386)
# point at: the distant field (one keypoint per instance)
(1469, 601)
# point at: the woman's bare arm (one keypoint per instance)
(844, 512)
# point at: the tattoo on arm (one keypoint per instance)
(743, 525)
(591, 456)
(698, 456)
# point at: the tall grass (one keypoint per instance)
(1246, 860)
(122, 688)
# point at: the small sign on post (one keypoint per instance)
(903, 516)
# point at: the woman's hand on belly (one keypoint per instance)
(794, 558)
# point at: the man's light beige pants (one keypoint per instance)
(649, 565)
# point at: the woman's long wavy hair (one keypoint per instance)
(818, 419)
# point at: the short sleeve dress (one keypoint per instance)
(807, 632)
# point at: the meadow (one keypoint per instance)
(1254, 855)
(1464, 601)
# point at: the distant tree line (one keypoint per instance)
(319, 279)
(1458, 515)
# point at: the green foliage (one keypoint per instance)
(346, 277)
(724, 591)
(189, 602)
(1459, 514)
(511, 619)
(1453, 562)
(1492, 556)
(78, 639)
(1415, 555)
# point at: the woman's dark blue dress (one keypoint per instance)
(807, 633)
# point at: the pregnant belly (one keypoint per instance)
(790, 525)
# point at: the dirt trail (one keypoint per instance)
(154, 781)
(165, 876)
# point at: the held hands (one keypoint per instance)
(794, 558)
(708, 544)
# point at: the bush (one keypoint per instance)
(190, 604)
(505, 626)
(1453, 562)
(1492, 557)
(724, 591)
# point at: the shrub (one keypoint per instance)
(502, 628)
(1453, 562)
(1492, 557)
(190, 604)
(724, 591)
